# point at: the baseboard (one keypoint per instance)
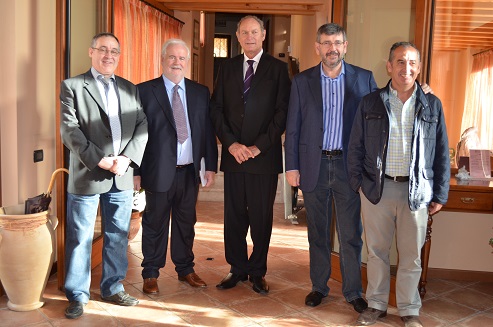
(460, 275)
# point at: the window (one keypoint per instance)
(222, 46)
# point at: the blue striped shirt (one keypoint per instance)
(333, 100)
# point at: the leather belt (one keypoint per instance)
(399, 179)
(182, 166)
(332, 152)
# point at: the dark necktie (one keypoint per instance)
(248, 79)
(179, 115)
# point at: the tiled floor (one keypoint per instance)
(447, 303)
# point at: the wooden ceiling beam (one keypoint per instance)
(279, 7)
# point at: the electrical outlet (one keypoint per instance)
(38, 155)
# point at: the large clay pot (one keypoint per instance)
(26, 255)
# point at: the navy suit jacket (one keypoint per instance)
(158, 166)
(304, 126)
(261, 121)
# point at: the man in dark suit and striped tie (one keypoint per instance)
(248, 109)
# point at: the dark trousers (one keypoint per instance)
(179, 201)
(248, 203)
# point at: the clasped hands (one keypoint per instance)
(242, 152)
(117, 165)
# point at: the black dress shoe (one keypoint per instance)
(74, 310)
(359, 304)
(259, 284)
(121, 298)
(314, 298)
(230, 281)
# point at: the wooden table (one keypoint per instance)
(474, 196)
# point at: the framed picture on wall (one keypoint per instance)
(195, 67)
(196, 34)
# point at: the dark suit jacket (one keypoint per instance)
(305, 130)
(158, 166)
(86, 132)
(260, 122)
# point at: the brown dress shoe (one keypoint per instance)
(193, 279)
(150, 286)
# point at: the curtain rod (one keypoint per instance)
(480, 52)
(160, 10)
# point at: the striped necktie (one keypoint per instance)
(113, 114)
(248, 79)
(179, 115)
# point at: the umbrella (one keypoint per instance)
(41, 202)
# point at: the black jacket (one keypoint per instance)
(429, 173)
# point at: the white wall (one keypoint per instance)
(27, 103)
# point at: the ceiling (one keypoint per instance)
(463, 24)
(274, 7)
(458, 24)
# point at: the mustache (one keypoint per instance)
(332, 53)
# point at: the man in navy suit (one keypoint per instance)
(322, 106)
(180, 135)
(249, 116)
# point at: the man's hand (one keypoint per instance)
(426, 88)
(240, 152)
(433, 208)
(137, 180)
(254, 150)
(120, 165)
(106, 163)
(209, 177)
(293, 177)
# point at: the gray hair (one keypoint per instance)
(331, 29)
(104, 34)
(405, 45)
(259, 21)
(175, 42)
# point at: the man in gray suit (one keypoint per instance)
(105, 129)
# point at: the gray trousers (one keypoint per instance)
(380, 222)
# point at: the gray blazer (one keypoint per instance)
(85, 131)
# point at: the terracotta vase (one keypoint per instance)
(26, 255)
(135, 223)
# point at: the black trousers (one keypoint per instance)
(248, 203)
(179, 202)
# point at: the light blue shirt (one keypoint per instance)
(184, 151)
(333, 101)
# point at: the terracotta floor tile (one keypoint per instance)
(471, 298)
(483, 287)
(262, 308)
(480, 320)
(15, 318)
(447, 303)
(446, 310)
(436, 287)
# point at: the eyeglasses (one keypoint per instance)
(104, 50)
(173, 58)
(328, 44)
